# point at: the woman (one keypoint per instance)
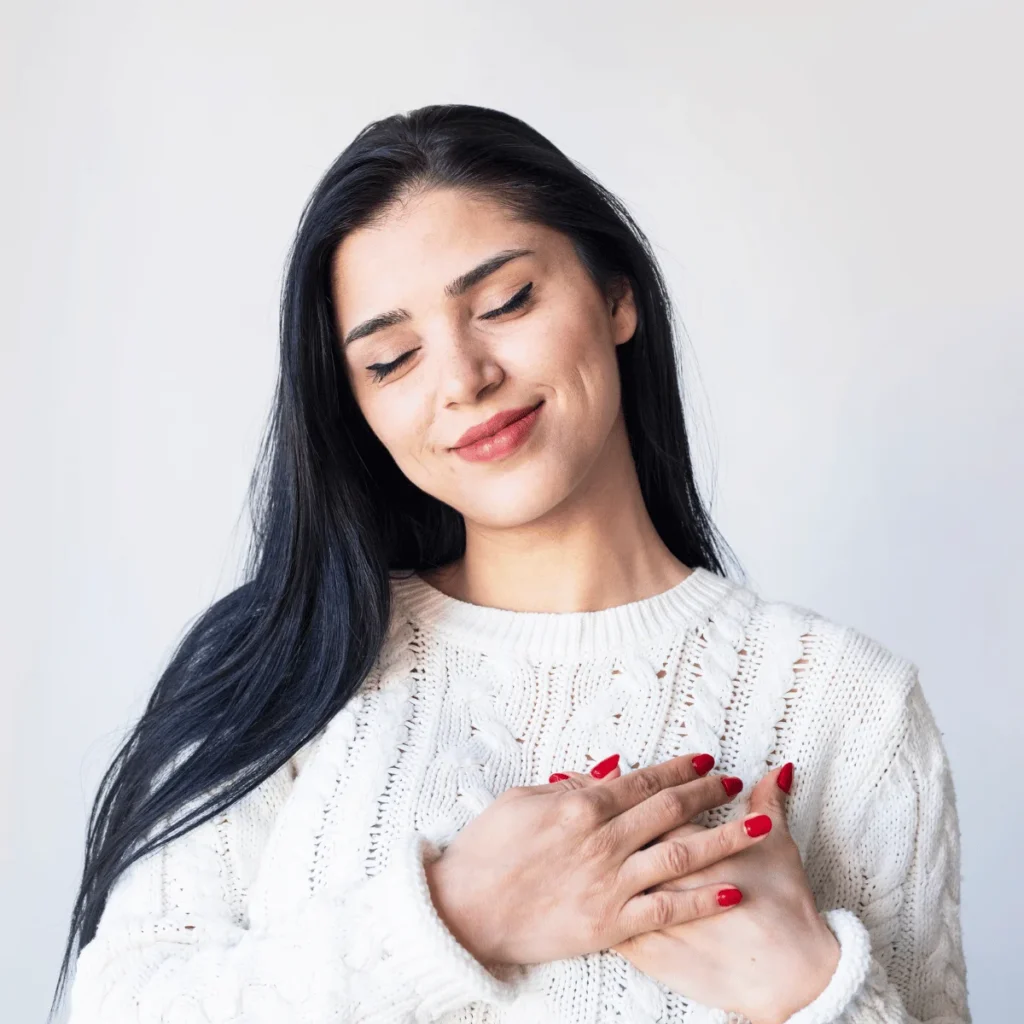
(489, 735)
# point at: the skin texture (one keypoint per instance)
(560, 525)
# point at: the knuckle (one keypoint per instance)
(685, 803)
(600, 801)
(672, 805)
(579, 810)
(724, 840)
(678, 857)
(644, 784)
(662, 908)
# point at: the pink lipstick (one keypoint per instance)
(498, 436)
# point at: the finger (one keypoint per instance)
(570, 780)
(653, 911)
(769, 797)
(639, 785)
(686, 829)
(677, 858)
(669, 808)
(586, 777)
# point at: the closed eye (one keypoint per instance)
(515, 302)
(381, 370)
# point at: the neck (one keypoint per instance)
(597, 549)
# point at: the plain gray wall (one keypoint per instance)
(834, 191)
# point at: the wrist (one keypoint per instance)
(818, 962)
(448, 898)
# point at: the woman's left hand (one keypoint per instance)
(772, 953)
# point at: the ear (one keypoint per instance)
(768, 797)
(622, 307)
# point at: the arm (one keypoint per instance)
(179, 941)
(901, 958)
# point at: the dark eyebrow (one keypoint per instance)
(458, 287)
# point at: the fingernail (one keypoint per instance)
(732, 784)
(557, 777)
(785, 777)
(703, 763)
(729, 897)
(602, 768)
(758, 825)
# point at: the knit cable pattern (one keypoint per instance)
(722, 637)
(307, 902)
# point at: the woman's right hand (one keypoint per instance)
(554, 871)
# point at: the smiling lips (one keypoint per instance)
(501, 434)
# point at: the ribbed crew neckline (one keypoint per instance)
(554, 636)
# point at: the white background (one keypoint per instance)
(834, 190)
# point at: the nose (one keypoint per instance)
(468, 367)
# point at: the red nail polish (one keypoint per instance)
(557, 777)
(602, 768)
(785, 777)
(729, 897)
(703, 763)
(732, 784)
(758, 825)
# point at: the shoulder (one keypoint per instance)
(848, 696)
(839, 664)
(853, 717)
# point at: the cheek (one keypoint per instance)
(399, 425)
(571, 354)
(590, 385)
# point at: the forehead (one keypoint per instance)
(420, 245)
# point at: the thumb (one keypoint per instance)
(769, 795)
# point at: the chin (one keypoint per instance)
(505, 517)
(511, 503)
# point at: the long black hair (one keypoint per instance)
(266, 667)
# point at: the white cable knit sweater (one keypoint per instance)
(306, 900)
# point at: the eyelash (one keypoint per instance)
(381, 370)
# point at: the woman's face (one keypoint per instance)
(534, 329)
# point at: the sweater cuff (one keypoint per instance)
(850, 974)
(415, 946)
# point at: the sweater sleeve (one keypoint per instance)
(901, 959)
(179, 943)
